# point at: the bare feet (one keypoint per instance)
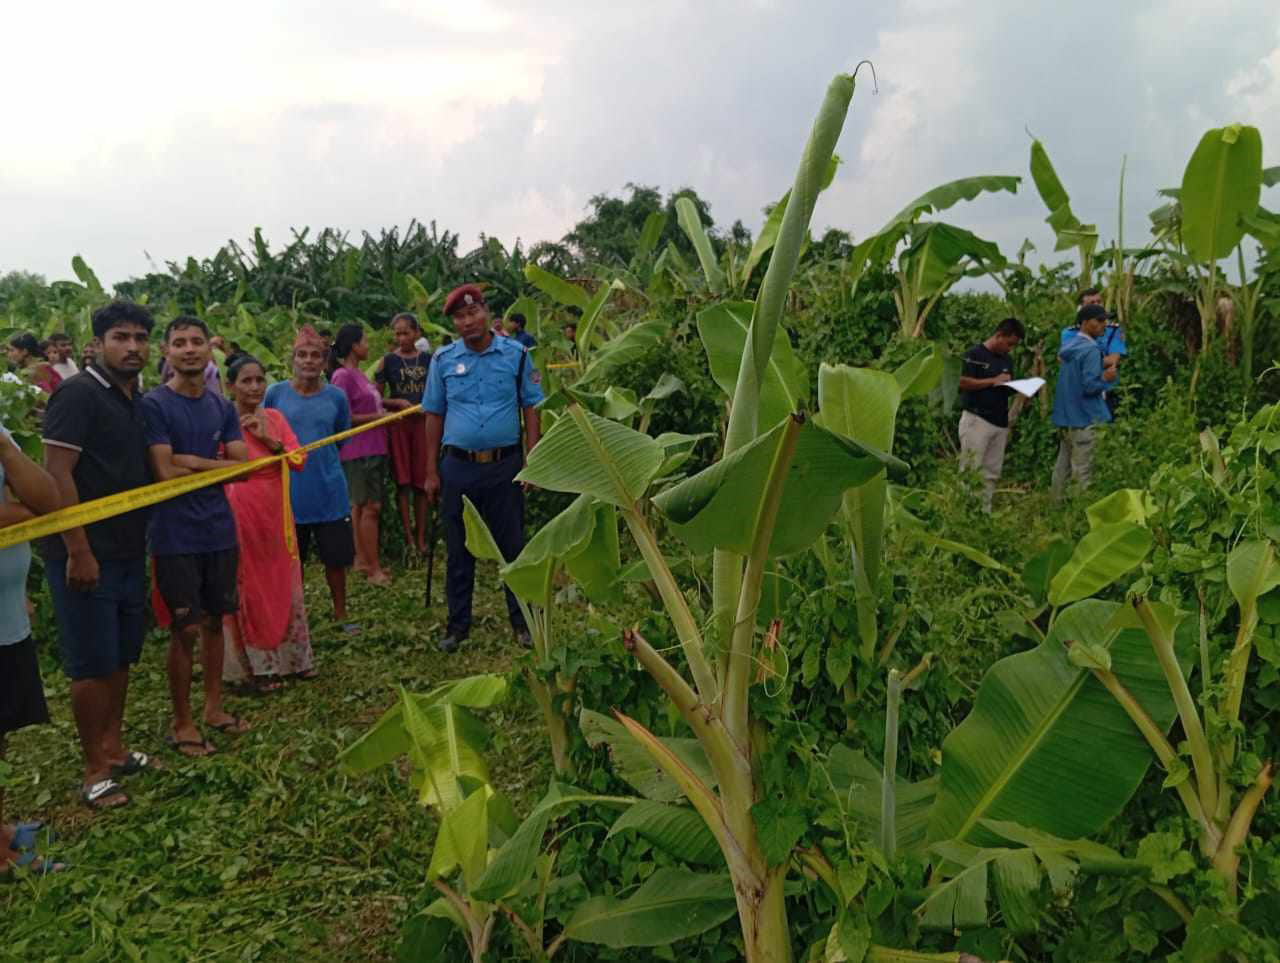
(379, 578)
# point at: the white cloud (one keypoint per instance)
(167, 128)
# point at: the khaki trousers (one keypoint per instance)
(982, 447)
(1075, 459)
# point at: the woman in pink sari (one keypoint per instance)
(265, 639)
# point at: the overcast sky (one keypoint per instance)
(159, 130)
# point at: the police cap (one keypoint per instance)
(461, 296)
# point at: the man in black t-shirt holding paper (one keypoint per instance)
(984, 425)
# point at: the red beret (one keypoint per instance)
(464, 294)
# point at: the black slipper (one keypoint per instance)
(94, 796)
(233, 726)
(177, 745)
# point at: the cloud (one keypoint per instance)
(155, 128)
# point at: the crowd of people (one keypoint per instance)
(223, 563)
(1089, 355)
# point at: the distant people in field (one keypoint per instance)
(194, 548)
(1078, 403)
(516, 328)
(364, 457)
(402, 374)
(60, 351)
(321, 508)
(95, 445)
(33, 492)
(984, 424)
(480, 401)
(89, 353)
(28, 360)
(268, 637)
(1112, 344)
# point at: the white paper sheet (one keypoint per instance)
(1026, 386)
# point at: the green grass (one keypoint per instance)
(264, 851)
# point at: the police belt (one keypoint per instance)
(481, 457)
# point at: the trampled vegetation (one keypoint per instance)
(796, 697)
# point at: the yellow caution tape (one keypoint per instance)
(86, 513)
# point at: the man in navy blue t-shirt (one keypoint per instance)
(193, 537)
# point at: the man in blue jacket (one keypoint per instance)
(1078, 402)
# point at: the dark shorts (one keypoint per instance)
(366, 479)
(21, 689)
(408, 442)
(100, 632)
(199, 586)
(335, 544)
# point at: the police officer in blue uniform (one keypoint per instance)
(481, 418)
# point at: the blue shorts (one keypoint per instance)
(100, 632)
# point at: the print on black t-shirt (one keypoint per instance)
(990, 404)
(405, 377)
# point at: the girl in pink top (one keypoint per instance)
(364, 457)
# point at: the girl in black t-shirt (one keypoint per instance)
(402, 377)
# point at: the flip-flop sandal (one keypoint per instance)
(134, 762)
(309, 676)
(179, 745)
(233, 726)
(95, 796)
(350, 628)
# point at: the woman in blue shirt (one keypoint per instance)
(28, 490)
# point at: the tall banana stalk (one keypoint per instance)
(744, 508)
(744, 407)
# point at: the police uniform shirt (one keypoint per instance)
(475, 392)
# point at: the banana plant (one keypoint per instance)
(786, 485)
(1221, 187)
(1105, 673)
(862, 404)
(735, 280)
(570, 294)
(582, 540)
(487, 866)
(444, 743)
(936, 255)
(1067, 228)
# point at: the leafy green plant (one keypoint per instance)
(786, 482)
(582, 540)
(936, 255)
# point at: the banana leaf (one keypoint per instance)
(672, 904)
(718, 508)
(594, 456)
(1045, 744)
(1221, 185)
(691, 224)
(785, 386)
